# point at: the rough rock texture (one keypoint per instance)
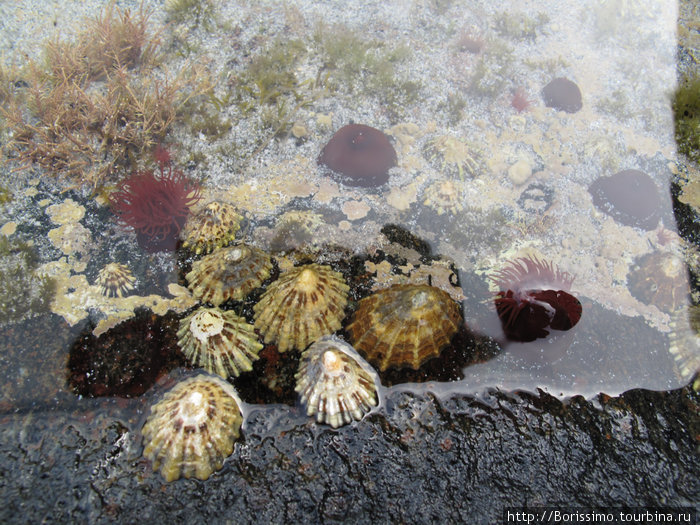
(416, 460)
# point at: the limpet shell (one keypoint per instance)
(219, 341)
(212, 227)
(335, 384)
(444, 197)
(404, 325)
(191, 431)
(305, 303)
(685, 341)
(115, 280)
(661, 279)
(228, 273)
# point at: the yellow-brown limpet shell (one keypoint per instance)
(404, 325)
(212, 227)
(228, 273)
(191, 431)
(115, 280)
(219, 341)
(305, 304)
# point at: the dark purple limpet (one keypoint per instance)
(562, 94)
(630, 197)
(359, 155)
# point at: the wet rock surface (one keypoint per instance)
(415, 460)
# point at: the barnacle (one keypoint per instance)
(191, 431)
(229, 273)
(335, 383)
(212, 227)
(304, 304)
(219, 341)
(404, 325)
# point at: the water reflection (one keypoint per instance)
(517, 134)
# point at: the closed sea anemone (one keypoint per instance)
(534, 297)
(156, 206)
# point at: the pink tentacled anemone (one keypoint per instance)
(156, 206)
(534, 298)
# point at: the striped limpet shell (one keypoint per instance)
(192, 430)
(303, 305)
(214, 226)
(219, 341)
(404, 325)
(115, 280)
(228, 273)
(334, 383)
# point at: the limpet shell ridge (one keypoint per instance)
(404, 325)
(228, 273)
(192, 430)
(303, 305)
(334, 383)
(219, 341)
(212, 227)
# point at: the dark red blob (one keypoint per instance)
(520, 101)
(156, 206)
(562, 94)
(359, 155)
(126, 360)
(527, 307)
(630, 197)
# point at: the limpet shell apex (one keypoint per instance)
(192, 430)
(219, 341)
(335, 384)
(404, 325)
(305, 304)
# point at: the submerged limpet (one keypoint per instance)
(212, 227)
(452, 155)
(219, 341)
(191, 431)
(228, 273)
(443, 196)
(335, 383)
(304, 304)
(685, 341)
(115, 280)
(404, 325)
(661, 279)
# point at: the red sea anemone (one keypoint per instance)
(534, 298)
(156, 206)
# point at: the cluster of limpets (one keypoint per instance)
(192, 430)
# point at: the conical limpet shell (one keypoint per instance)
(404, 325)
(228, 273)
(219, 341)
(191, 431)
(335, 383)
(305, 304)
(115, 280)
(213, 226)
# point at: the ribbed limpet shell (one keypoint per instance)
(685, 341)
(404, 325)
(443, 196)
(213, 226)
(305, 303)
(115, 280)
(191, 431)
(219, 341)
(335, 384)
(228, 273)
